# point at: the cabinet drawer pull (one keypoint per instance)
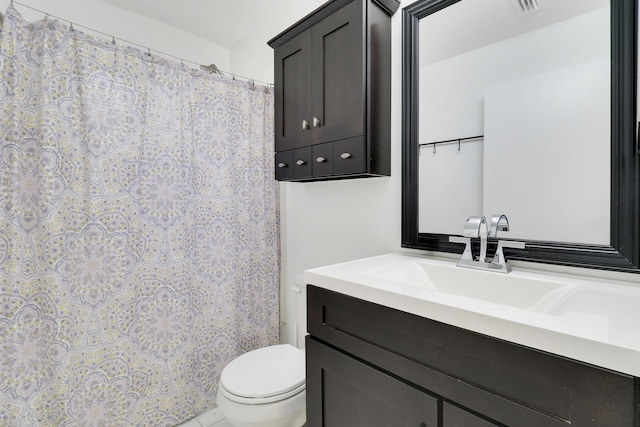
(346, 155)
(301, 162)
(305, 125)
(321, 159)
(282, 165)
(316, 122)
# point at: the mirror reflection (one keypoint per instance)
(514, 118)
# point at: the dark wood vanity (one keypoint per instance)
(370, 365)
(333, 92)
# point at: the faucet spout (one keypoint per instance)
(498, 223)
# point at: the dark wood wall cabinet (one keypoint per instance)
(370, 365)
(333, 92)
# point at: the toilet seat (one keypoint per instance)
(261, 400)
(265, 375)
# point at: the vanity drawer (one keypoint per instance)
(505, 382)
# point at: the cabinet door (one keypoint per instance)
(457, 417)
(338, 83)
(343, 392)
(293, 99)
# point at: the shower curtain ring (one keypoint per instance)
(458, 145)
(434, 148)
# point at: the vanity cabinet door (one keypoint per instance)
(344, 392)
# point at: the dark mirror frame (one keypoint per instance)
(624, 252)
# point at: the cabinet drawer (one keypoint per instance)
(284, 165)
(509, 383)
(302, 163)
(294, 164)
(323, 159)
(350, 156)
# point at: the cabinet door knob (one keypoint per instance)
(305, 125)
(321, 159)
(346, 155)
(316, 122)
(301, 162)
(282, 165)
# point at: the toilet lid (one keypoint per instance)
(265, 372)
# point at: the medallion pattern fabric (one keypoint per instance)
(138, 230)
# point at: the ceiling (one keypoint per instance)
(226, 22)
(223, 22)
(470, 25)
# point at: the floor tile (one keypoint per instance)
(191, 423)
(210, 417)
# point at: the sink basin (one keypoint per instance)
(614, 310)
(517, 289)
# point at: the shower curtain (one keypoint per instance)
(138, 230)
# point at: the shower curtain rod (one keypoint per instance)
(149, 50)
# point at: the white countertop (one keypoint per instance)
(592, 320)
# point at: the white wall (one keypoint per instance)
(252, 57)
(329, 222)
(117, 22)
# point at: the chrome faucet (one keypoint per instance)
(476, 227)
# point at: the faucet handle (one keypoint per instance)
(499, 260)
(498, 223)
(466, 254)
(472, 226)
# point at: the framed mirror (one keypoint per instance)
(547, 137)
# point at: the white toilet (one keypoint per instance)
(264, 388)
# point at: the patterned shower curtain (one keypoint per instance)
(138, 230)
